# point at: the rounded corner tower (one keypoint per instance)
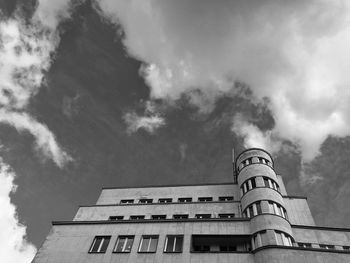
(261, 199)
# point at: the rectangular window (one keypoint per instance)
(305, 245)
(245, 188)
(137, 217)
(266, 182)
(250, 186)
(100, 244)
(145, 201)
(182, 216)
(173, 244)
(113, 218)
(205, 199)
(127, 201)
(148, 244)
(279, 239)
(258, 208)
(203, 216)
(185, 199)
(226, 215)
(165, 200)
(158, 217)
(253, 182)
(346, 247)
(220, 243)
(225, 198)
(251, 211)
(327, 246)
(124, 244)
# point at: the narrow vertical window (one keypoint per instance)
(124, 244)
(258, 208)
(253, 182)
(100, 244)
(148, 244)
(173, 244)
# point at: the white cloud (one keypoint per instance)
(14, 248)
(294, 52)
(25, 54)
(150, 122)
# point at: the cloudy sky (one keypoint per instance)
(133, 93)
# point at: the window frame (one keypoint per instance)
(174, 246)
(227, 215)
(226, 198)
(156, 237)
(183, 216)
(184, 199)
(166, 200)
(135, 217)
(205, 199)
(127, 237)
(127, 201)
(145, 201)
(99, 249)
(197, 216)
(111, 218)
(161, 217)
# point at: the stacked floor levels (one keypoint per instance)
(251, 219)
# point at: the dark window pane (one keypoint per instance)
(178, 244)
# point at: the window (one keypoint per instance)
(205, 199)
(100, 244)
(220, 243)
(173, 244)
(346, 247)
(283, 239)
(253, 210)
(268, 182)
(248, 185)
(326, 246)
(203, 216)
(226, 215)
(277, 209)
(185, 200)
(225, 198)
(305, 245)
(113, 218)
(182, 216)
(260, 239)
(127, 201)
(165, 200)
(137, 217)
(148, 244)
(124, 244)
(145, 201)
(158, 217)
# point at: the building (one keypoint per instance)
(252, 219)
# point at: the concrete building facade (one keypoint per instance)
(252, 219)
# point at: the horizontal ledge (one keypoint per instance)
(300, 248)
(321, 228)
(123, 221)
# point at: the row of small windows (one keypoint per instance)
(174, 243)
(252, 160)
(252, 183)
(176, 216)
(204, 243)
(272, 208)
(180, 200)
(148, 244)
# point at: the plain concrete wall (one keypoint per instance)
(321, 236)
(113, 196)
(298, 211)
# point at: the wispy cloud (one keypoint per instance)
(26, 49)
(150, 121)
(295, 53)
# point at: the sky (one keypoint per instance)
(128, 93)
